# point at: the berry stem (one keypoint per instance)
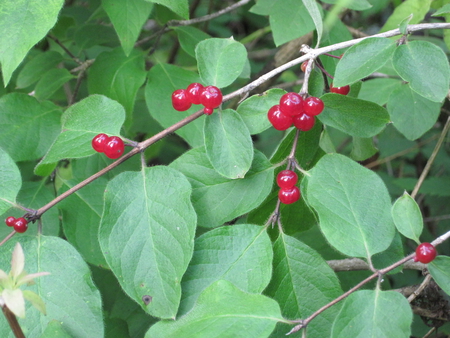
(331, 55)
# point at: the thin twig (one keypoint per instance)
(421, 287)
(13, 323)
(54, 38)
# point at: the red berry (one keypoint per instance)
(278, 119)
(291, 104)
(208, 111)
(289, 195)
(340, 90)
(313, 106)
(286, 179)
(20, 225)
(304, 122)
(193, 92)
(303, 66)
(99, 142)
(425, 253)
(114, 148)
(180, 100)
(211, 97)
(10, 221)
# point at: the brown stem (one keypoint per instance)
(13, 323)
(54, 38)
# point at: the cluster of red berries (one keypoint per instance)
(210, 97)
(294, 110)
(289, 193)
(425, 253)
(20, 224)
(112, 146)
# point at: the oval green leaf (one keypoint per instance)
(189, 37)
(407, 217)
(10, 183)
(440, 270)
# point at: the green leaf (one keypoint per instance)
(163, 80)
(241, 254)
(80, 123)
(440, 270)
(375, 313)
(189, 37)
(353, 206)
(180, 7)
(223, 310)
(357, 5)
(127, 17)
(10, 182)
(37, 67)
(443, 10)
(314, 11)
(412, 114)
(217, 199)
(363, 148)
(407, 217)
(419, 8)
(14, 301)
(36, 300)
(302, 283)
(254, 109)
(51, 81)
(220, 61)
(17, 38)
(55, 329)
(147, 236)
(354, 117)
(363, 59)
(27, 127)
(228, 144)
(90, 35)
(403, 27)
(69, 282)
(425, 66)
(378, 90)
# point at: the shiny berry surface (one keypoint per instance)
(193, 92)
(99, 142)
(211, 97)
(180, 100)
(208, 111)
(114, 148)
(425, 253)
(289, 195)
(340, 90)
(291, 104)
(304, 122)
(10, 221)
(279, 120)
(313, 106)
(20, 225)
(287, 179)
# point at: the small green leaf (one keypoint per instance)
(223, 308)
(10, 183)
(14, 301)
(314, 11)
(419, 8)
(357, 5)
(363, 148)
(51, 82)
(440, 270)
(37, 67)
(443, 10)
(228, 144)
(189, 37)
(35, 300)
(17, 261)
(55, 329)
(404, 24)
(220, 61)
(180, 7)
(407, 217)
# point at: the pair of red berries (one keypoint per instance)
(425, 253)
(210, 97)
(289, 193)
(20, 224)
(294, 110)
(112, 146)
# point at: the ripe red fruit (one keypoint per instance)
(289, 195)
(340, 90)
(313, 106)
(291, 104)
(114, 148)
(279, 120)
(208, 111)
(287, 179)
(425, 253)
(20, 225)
(211, 97)
(10, 221)
(180, 100)
(304, 122)
(193, 92)
(303, 66)
(99, 142)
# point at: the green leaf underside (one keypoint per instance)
(147, 237)
(314, 11)
(222, 310)
(407, 217)
(378, 90)
(217, 199)
(350, 199)
(440, 270)
(243, 257)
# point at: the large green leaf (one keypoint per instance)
(440, 270)
(147, 236)
(220, 61)
(217, 199)
(353, 206)
(363, 59)
(10, 182)
(241, 254)
(374, 313)
(353, 116)
(302, 283)
(418, 8)
(17, 37)
(407, 217)
(128, 17)
(37, 67)
(223, 310)
(69, 294)
(425, 66)
(27, 127)
(228, 144)
(180, 7)
(189, 37)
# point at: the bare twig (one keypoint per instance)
(421, 287)
(12, 321)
